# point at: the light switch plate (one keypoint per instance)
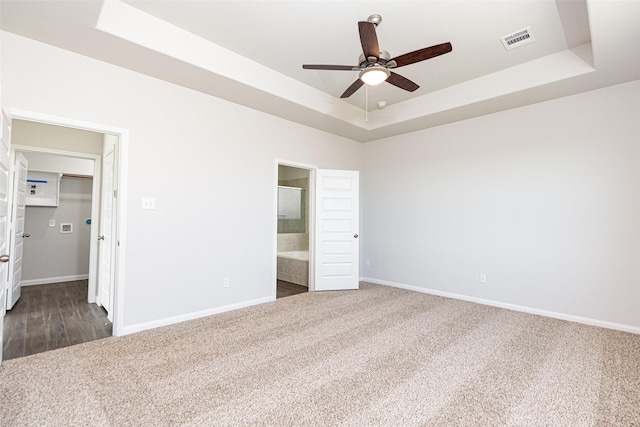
(52, 223)
(148, 203)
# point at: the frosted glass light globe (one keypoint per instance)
(374, 75)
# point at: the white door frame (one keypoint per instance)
(95, 205)
(123, 144)
(5, 142)
(312, 221)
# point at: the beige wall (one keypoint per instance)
(43, 135)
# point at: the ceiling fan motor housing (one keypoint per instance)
(382, 60)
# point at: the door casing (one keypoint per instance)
(5, 145)
(119, 238)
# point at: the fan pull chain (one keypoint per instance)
(366, 103)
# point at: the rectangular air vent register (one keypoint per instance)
(517, 39)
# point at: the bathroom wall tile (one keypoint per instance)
(292, 270)
(293, 242)
(299, 268)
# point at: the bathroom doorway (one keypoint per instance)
(293, 219)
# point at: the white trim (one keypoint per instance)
(508, 306)
(311, 226)
(47, 280)
(123, 145)
(16, 113)
(130, 329)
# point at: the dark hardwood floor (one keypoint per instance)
(52, 316)
(57, 315)
(286, 289)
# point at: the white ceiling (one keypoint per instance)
(251, 52)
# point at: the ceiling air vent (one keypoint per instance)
(517, 39)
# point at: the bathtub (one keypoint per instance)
(299, 255)
(293, 267)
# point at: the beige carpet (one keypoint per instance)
(378, 356)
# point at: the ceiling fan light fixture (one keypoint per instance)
(374, 63)
(374, 75)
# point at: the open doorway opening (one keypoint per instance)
(56, 270)
(294, 207)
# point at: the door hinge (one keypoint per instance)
(115, 193)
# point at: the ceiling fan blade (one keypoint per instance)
(369, 39)
(352, 89)
(422, 54)
(331, 67)
(402, 82)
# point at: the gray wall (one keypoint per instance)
(210, 165)
(50, 255)
(543, 199)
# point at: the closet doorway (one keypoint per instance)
(60, 272)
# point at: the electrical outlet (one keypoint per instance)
(226, 282)
(483, 278)
(149, 203)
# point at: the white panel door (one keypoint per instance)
(337, 227)
(106, 250)
(4, 217)
(18, 212)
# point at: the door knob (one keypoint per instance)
(26, 235)
(355, 236)
(100, 237)
(4, 258)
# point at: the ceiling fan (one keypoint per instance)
(375, 65)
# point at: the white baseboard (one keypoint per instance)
(515, 307)
(48, 280)
(191, 316)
